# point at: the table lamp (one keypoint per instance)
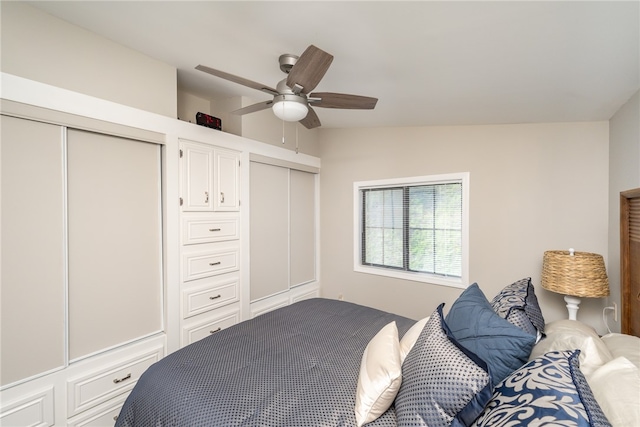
(575, 275)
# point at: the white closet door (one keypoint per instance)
(303, 227)
(115, 243)
(269, 205)
(33, 263)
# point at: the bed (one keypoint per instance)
(322, 362)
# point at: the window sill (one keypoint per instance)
(453, 282)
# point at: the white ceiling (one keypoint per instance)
(429, 63)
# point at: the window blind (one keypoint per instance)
(416, 228)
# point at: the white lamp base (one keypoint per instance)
(573, 304)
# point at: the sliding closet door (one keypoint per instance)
(303, 227)
(33, 264)
(115, 261)
(283, 227)
(269, 230)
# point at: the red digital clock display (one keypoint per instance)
(209, 121)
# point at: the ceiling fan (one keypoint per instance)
(291, 98)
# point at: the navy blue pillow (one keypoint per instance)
(503, 346)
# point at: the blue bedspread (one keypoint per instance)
(295, 366)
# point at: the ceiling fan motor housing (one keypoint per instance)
(287, 61)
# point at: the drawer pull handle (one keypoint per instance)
(119, 380)
(115, 418)
(215, 330)
(221, 197)
(215, 263)
(214, 229)
(215, 297)
(206, 197)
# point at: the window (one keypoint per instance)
(413, 228)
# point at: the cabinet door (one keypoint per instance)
(197, 177)
(33, 261)
(226, 182)
(115, 241)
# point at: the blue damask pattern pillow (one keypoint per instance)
(549, 390)
(519, 305)
(475, 325)
(443, 383)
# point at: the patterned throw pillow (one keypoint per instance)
(519, 305)
(443, 383)
(549, 390)
(475, 325)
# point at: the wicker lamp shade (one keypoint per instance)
(582, 274)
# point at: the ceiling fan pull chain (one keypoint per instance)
(296, 125)
(283, 128)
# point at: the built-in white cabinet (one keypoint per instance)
(82, 307)
(210, 178)
(210, 252)
(123, 239)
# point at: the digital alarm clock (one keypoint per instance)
(209, 121)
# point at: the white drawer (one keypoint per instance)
(197, 230)
(202, 329)
(196, 265)
(99, 416)
(211, 294)
(33, 410)
(97, 387)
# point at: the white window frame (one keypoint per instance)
(461, 177)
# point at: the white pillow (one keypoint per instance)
(624, 345)
(616, 387)
(380, 375)
(410, 337)
(570, 335)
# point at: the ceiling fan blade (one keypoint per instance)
(342, 100)
(311, 121)
(253, 108)
(309, 69)
(236, 79)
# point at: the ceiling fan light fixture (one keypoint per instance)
(290, 108)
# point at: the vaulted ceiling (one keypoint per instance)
(428, 62)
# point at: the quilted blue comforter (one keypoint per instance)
(296, 366)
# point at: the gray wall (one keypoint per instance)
(624, 166)
(534, 187)
(40, 47)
